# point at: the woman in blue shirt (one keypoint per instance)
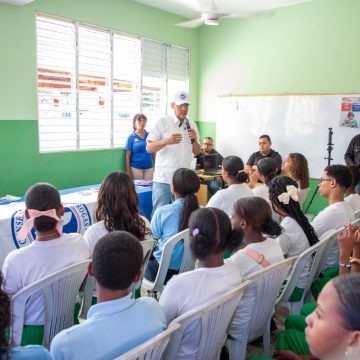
(139, 163)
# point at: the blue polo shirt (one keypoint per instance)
(164, 225)
(30, 352)
(111, 329)
(140, 158)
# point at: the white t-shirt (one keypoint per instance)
(294, 242)
(354, 201)
(224, 199)
(175, 156)
(271, 250)
(38, 260)
(98, 230)
(332, 217)
(188, 290)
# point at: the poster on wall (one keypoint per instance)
(350, 112)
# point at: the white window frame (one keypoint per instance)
(112, 33)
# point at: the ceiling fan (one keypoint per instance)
(212, 16)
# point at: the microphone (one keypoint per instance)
(187, 124)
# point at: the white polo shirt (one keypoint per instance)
(175, 156)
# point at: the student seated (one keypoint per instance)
(253, 216)
(333, 184)
(210, 235)
(298, 235)
(50, 252)
(234, 175)
(117, 209)
(333, 329)
(296, 167)
(117, 323)
(8, 352)
(168, 220)
(353, 198)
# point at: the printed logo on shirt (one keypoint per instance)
(76, 219)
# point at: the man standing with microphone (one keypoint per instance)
(174, 139)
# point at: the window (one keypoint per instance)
(92, 81)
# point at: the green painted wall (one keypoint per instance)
(307, 48)
(21, 163)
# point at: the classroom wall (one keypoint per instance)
(307, 48)
(21, 163)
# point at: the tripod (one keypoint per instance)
(328, 158)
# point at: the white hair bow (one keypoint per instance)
(292, 192)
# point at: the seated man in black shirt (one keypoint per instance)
(265, 151)
(207, 149)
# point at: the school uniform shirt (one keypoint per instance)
(41, 258)
(225, 199)
(30, 352)
(271, 250)
(332, 217)
(164, 225)
(197, 288)
(354, 201)
(140, 158)
(175, 156)
(96, 231)
(294, 242)
(111, 329)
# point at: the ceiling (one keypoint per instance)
(192, 8)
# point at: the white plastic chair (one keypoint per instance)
(330, 238)
(357, 214)
(214, 318)
(311, 256)
(187, 263)
(152, 349)
(302, 194)
(59, 292)
(88, 293)
(268, 282)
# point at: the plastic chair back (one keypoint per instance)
(310, 256)
(357, 214)
(267, 283)
(330, 239)
(213, 320)
(152, 349)
(187, 263)
(59, 291)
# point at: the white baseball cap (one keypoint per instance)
(181, 97)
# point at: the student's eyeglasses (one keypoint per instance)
(207, 144)
(321, 180)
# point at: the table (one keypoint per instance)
(79, 204)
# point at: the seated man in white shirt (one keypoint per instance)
(333, 184)
(117, 323)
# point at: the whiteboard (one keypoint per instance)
(295, 123)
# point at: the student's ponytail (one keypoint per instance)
(234, 166)
(271, 228)
(186, 183)
(211, 233)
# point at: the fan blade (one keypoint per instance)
(191, 23)
(250, 14)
